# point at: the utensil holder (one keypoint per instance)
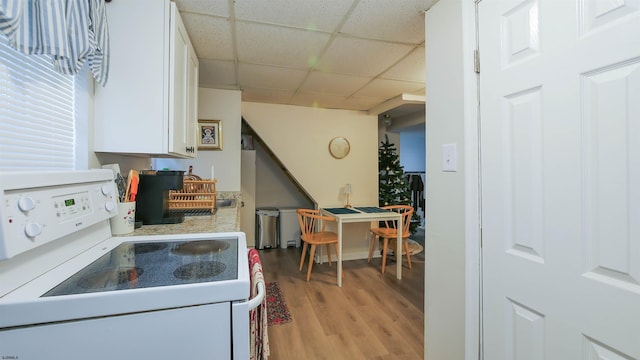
(124, 222)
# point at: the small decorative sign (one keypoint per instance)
(209, 135)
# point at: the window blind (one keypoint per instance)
(37, 127)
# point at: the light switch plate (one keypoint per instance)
(449, 157)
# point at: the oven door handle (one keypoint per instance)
(257, 300)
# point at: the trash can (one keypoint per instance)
(267, 228)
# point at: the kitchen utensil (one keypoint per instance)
(191, 187)
(122, 187)
(133, 190)
(190, 175)
(129, 177)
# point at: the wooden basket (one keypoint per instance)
(196, 196)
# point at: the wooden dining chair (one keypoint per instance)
(312, 227)
(388, 231)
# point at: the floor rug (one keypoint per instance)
(277, 310)
(414, 248)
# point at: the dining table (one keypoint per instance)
(345, 215)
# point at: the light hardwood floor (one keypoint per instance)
(373, 315)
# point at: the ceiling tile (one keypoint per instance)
(315, 15)
(327, 101)
(205, 31)
(383, 88)
(361, 103)
(270, 77)
(218, 8)
(214, 73)
(319, 82)
(273, 45)
(361, 57)
(411, 68)
(275, 53)
(401, 21)
(267, 96)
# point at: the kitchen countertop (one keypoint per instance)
(226, 219)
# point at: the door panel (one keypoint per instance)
(560, 159)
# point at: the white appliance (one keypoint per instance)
(289, 228)
(69, 290)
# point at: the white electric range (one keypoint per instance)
(69, 290)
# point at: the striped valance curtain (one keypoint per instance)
(71, 31)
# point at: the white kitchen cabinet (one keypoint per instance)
(193, 68)
(149, 105)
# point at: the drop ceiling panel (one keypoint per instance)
(267, 96)
(271, 45)
(401, 21)
(337, 84)
(317, 14)
(217, 74)
(383, 88)
(318, 100)
(205, 31)
(219, 8)
(348, 54)
(270, 77)
(353, 56)
(361, 103)
(411, 68)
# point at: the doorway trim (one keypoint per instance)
(473, 232)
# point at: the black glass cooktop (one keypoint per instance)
(150, 264)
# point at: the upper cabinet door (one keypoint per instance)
(193, 67)
(143, 109)
(178, 91)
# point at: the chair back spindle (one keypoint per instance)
(388, 232)
(310, 220)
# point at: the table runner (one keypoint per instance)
(372, 209)
(338, 211)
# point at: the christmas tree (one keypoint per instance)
(393, 188)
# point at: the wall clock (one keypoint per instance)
(339, 147)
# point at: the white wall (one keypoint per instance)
(224, 105)
(450, 264)
(275, 188)
(299, 137)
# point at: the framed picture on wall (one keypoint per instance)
(209, 135)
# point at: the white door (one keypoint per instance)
(560, 158)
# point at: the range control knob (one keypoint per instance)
(26, 204)
(106, 189)
(32, 230)
(110, 206)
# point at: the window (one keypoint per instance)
(38, 113)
